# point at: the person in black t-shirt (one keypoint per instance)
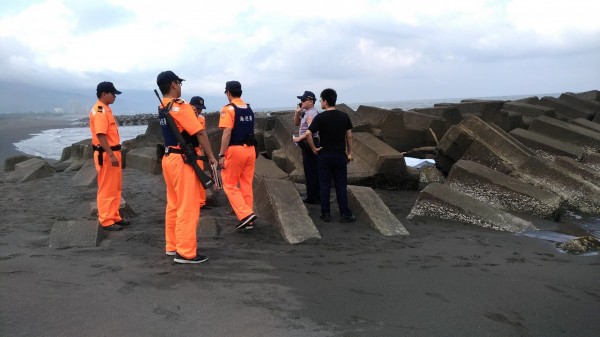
(335, 152)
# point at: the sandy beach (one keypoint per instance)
(445, 279)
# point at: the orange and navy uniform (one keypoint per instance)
(183, 186)
(108, 198)
(239, 166)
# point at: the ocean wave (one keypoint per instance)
(50, 143)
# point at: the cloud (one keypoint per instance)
(372, 50)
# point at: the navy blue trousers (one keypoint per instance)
(333, 165)
(311, 173)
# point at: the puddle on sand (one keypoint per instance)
(570, 226)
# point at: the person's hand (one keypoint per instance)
(222, 163)
(296, 139)
(315, 151)
(114, 161)
(213, 161)
(349, 158)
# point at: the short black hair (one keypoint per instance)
(235, 93)
(164, 88)
(330, 96)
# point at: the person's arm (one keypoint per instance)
(297, 117)
(349, 144)
(299, 138)
(311, 142)
(205, 144)
(224, 144)
(114, 161)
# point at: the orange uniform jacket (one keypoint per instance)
(239, 167)
(183, 188)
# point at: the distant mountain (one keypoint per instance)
(20, 97)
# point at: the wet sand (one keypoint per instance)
(445, 279)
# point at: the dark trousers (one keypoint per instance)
(333, 165)
(311, 173)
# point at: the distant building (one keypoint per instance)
(58, 110)
(75, 107)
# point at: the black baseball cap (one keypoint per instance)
(307, 95)
(233, 85)
(107, 87)
(198, 102)
(167, 77)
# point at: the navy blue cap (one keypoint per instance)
(306, 95)
(198, 102)
(167, 77)
(107, 87)
(233, 85)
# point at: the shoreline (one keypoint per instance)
(16, 128)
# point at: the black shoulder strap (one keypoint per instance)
(167, 109)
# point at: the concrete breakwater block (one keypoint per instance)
(31, 169)
(87, 176)
(547, 147)
(9, 163)
(73, 165)
(74, 233)
(586, 172)
(440, 201)
(144, 159)
(371, 115)
(280, 205)
(580, 102)
(586, 124)
(578, 193)
(585, 138)
(502, 191)
(450, 114)
(485, 143)
(566, 110)
(528, 110)
(380, 157)
(370, 208)
(592, 160)
(124, 210)
(591, 95)
(378, 164)
(265, 168)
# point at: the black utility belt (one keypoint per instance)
(169, 150)
(101, 149)
(176, 150)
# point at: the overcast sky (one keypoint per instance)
(367, 50)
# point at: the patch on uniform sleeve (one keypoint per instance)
(100, 109)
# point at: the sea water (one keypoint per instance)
(50, 143)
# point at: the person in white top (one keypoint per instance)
(303, 116)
